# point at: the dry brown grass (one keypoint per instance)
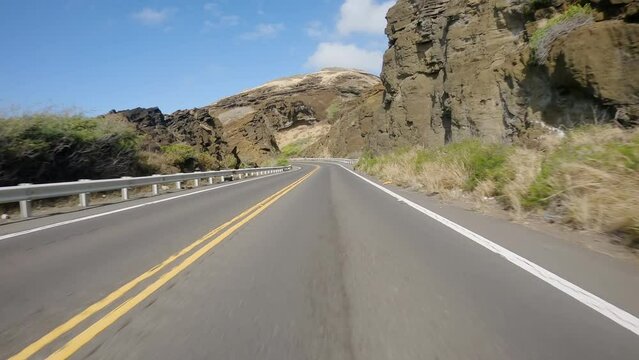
(587, 180)
(599, 200)
(526, 164)
(446, 180)
(158, 163)
(598, 183)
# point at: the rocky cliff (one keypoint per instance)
(295, 110)
(502, 70)
(196, 128)
(473, 68)
(253, 126)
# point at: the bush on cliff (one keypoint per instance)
(574, 17)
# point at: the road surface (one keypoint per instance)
(310, 264)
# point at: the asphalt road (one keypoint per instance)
(323, 265)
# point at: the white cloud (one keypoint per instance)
(363, 16)
(212, 7)
(221, 22)
(262, 31)
(315, 29)
(219, 19)
(345, 55)
(150, 16)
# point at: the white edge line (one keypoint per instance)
(612, 312)
(90, 217)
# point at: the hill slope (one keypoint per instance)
(296, 110)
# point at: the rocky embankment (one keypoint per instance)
(256, 124)
(497, 68)
(501, 70)
(296, 110)
(196, 128)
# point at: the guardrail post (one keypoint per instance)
(222, 178)
(156, 187)
(25, 205)
(125, 190)
(178, 184)
(196, 182)
(210, 180)
(85, 198)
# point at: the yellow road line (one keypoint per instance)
(100, 325)
(107, 300)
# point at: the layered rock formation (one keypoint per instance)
(196, 128)
(298, 109)
(254, 125)
(465, 68)
(454, 69)
(353, 126)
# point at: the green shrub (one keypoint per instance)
(179, 153)
(51, 148)
(333, 111)
(292, 150)
(589, 180)
(187, 158)
(611, 155)
(367, 162)
(282, 161)
(481, 161)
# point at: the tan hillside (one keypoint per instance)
(299, 109)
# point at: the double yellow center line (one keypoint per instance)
(103, 323)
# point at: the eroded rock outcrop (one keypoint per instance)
(454, 69)
(465, 68)
(195, 127)
(347, 137)
(298, 109)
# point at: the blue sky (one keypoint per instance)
(98, 55)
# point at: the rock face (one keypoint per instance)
(196, 128)
(298, 109)
(456, 69)
(606, 75)
(348, 136)
(253, 126)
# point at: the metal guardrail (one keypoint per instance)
(342, 160)
(25, 193)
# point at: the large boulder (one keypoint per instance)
(597, 67)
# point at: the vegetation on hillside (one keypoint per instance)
(43, 148)
(186, 158)
(332, 112)
(587, 180)
(289, 151)
(51, 148)
(292, 150)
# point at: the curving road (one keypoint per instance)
(317, 263)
